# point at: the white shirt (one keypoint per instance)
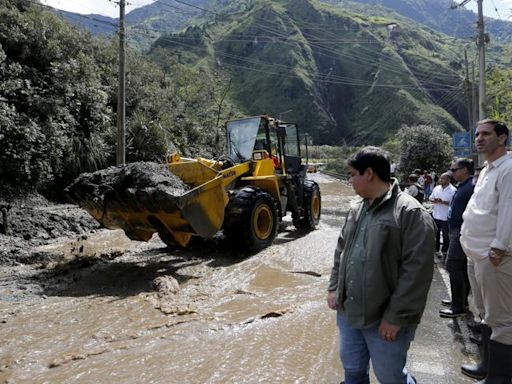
(488, 215)
(440, 211)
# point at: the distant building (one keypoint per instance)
(393, 30)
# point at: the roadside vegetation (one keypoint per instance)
(414, 147)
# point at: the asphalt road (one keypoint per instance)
(441, 345)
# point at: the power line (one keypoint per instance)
(496, 9)
(320, 77)
(192, 5)
(174, 8)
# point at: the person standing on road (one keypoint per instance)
(441, 198)
(383, 267)
(456, 261)
(415, 189)
(486, 237)
(429, 182)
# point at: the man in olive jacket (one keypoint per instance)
(383, 266)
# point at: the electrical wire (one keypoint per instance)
(284, 70)
(193, 6)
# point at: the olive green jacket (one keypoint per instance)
(399, 261)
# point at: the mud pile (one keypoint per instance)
(34, 221)
(141, 186)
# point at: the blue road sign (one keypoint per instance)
(461, 140)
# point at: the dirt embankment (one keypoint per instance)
(34, 221)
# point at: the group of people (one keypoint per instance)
(421, 184)
(384, 259)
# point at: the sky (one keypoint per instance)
(504, 8)
(101, 7)
(109, 8)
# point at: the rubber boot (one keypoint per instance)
(479, 371)
(500, 367)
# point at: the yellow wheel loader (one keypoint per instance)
(245, 193)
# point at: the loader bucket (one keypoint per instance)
(144, 198)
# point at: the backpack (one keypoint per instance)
(421, 193)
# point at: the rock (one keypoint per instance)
(166, 286)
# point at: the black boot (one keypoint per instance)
(479, 371)
(457, 288)
(500, 369)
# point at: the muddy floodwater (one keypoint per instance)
(111, 310)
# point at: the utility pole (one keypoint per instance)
(468, 92)
(121, 93)
(475, 95)
(480, 41)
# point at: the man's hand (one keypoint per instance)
(331, 299)
(388, 331)
(496, 255)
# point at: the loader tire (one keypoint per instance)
(311, 209)
(251, 219)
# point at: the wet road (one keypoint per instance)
(116, 311)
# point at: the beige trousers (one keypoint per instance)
(495, 285)
(475, 291)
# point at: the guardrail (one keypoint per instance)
(341, 176)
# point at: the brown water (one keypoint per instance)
(258, 319)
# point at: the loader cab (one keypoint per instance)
(265, 137)
(253, 134)
(241, 137)
(291, 147)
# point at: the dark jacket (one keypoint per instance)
(399, 259)
(459, 202)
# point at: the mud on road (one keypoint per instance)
(95, 307)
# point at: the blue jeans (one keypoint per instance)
(360, 345)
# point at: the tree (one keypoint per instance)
(424, 147)
(499, 94)
(54, 105)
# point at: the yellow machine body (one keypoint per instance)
(197, 212)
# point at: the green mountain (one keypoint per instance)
(441, 16)
(97, 25)
(346, 77)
